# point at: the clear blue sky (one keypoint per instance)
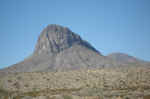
(109, 25)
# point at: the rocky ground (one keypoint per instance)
(102, 83)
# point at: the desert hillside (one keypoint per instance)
(101, 83)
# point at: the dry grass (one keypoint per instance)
(93, 82)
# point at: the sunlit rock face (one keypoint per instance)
(55, 38)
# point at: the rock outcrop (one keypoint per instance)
(55, 38)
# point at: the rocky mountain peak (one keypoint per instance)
(55, 38)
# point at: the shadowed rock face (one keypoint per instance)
(55, 38)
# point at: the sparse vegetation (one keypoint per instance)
(90, 83)
(26, 85)
(16, 85)
(67, 97)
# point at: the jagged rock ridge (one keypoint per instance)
(55, 38)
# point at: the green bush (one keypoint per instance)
(67, 97)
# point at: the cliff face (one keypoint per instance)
(55, 38)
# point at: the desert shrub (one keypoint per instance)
(9, 81)
(127, 98)
(33, 93)
(147, 97)
(26, 85)
(77, 79)
(19, 78)
(67, 97)
(3, 91)
(17, 85)
(48, 79)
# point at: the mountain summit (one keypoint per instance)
(55, 38)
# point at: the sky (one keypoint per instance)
(109, 25)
